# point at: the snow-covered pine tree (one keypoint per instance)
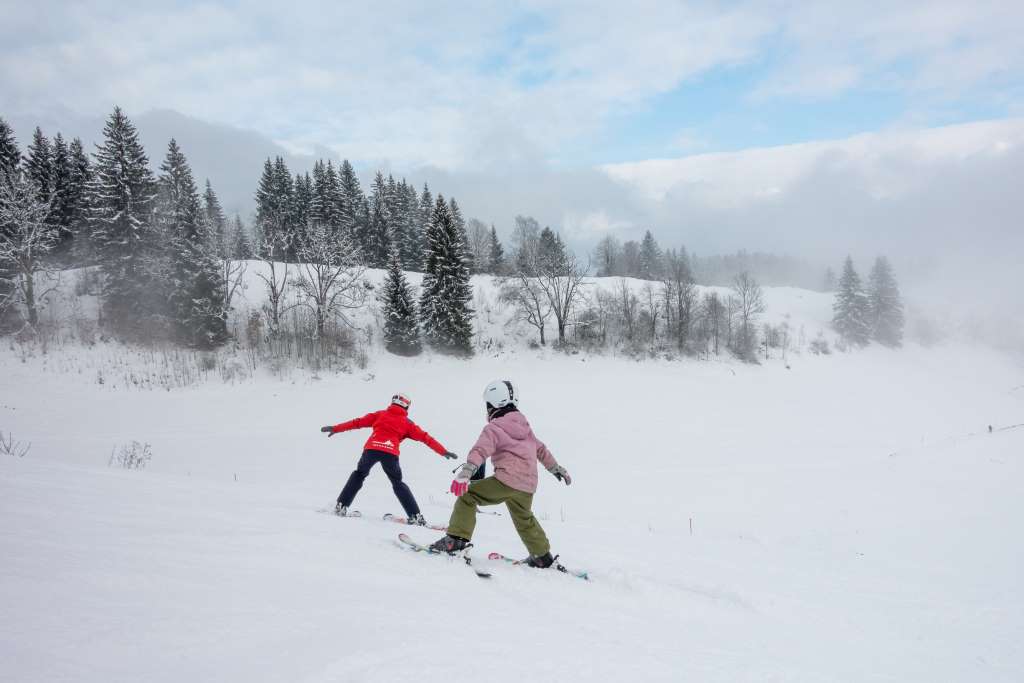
(39, 165)
(350, 201)
(850, 309)
(444, 301)
(303, 200)
(333, 198)
(270, 215)
(649, 258)
(426, 213)
(550, 252)
(380, 223)
(241, 241)
(497, 255)
(195, 296)
(411, 243)
(401, 322)
(885, 309)
(216, 221)
(319, 208)
(61, 207)
(284, 188)
(121, 196)
(460, 226)
(77, 198)
(10, 155)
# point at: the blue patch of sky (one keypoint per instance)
(716, 112)
(522, 53)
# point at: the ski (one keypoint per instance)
(330, 511)
(560, 567)
(405, 520)
(412, 545)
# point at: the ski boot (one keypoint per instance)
(341, 510)
(417, 520)
(449, 544)
(540, 561)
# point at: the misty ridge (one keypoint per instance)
(132, 238)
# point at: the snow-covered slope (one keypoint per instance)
(852, 520)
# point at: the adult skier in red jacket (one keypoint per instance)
(390, 427)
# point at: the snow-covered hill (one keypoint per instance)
(852, 519)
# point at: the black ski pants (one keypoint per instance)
(390, 465)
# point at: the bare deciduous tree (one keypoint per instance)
(562, 284)
(528, 299)
(330, 275)
(479, 247)
(749, 304)
(627, 305)
(275, 275)
(26, 238)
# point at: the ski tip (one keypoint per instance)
(388, 515)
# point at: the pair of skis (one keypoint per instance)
(407, 542)
(388, 518)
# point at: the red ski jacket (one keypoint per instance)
(390, 427)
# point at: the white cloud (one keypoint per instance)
(736, 178)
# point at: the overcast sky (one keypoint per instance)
(814, 129)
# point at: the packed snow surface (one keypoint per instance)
(848, 518)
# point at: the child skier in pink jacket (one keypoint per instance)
(514, 451)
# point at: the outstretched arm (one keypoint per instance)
(552, 466)
(358, 423)
(419, 434)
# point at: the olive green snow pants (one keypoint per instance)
(490, 491)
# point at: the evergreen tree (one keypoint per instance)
(350, 201)
(241, 248)
(380, 223)
(303, 200)
(77, 197)
(121, 195)
(411, 242)
(39, 165)
(401, 325)
(216, 223)
(284, 188)
(269, 213)
(460, 224)
(10, 155)
(426, 214)
(650, 258)
(446, 295)
(850, 310)
(550, 252)
(61, 207)
(885, 309)
(497, 256)
(194, 295)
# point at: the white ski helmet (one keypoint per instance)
(402, 399)
(501, 393)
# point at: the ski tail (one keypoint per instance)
(407, 542)
(579, 574)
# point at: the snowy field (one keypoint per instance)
(852, 520)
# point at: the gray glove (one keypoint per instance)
(450, 456)
(561, 474)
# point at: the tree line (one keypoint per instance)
(170, 262)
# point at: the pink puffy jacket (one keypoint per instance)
(514, 451)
